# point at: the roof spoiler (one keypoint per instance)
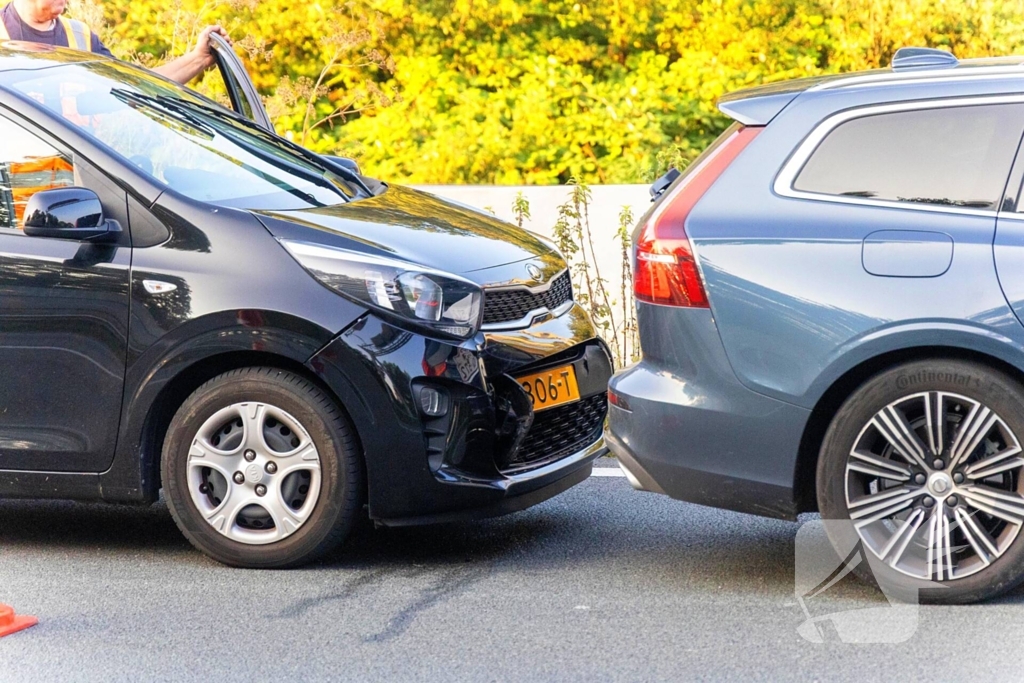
(758, 106)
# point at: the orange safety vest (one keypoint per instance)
(35, 175)
(79, 34)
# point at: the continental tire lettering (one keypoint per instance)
(929, 377)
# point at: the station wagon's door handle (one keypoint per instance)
(907, 253)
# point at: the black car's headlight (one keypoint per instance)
(431, 299)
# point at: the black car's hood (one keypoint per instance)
(424, 229)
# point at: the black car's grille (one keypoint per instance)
(510, 305)
(560, 431)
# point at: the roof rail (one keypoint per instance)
(911, 58)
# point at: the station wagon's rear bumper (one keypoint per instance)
(682, 424)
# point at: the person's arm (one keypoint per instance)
(99, 48)
(196, 61)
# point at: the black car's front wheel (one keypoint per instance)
(922, 467)
(261, 469)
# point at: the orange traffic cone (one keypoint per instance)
(11, 623)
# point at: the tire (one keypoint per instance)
(949, 534)
(272, 429)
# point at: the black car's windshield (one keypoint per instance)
(182, 140)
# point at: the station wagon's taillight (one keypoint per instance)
(666, 270)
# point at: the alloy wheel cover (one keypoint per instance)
(933, 486)
(254, 473)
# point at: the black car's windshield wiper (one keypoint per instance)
(233, 119)
(170, 107)
(212, 121)
(131, 98)
(192, 111)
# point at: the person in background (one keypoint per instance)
(40, 21)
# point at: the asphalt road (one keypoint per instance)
(601, 583)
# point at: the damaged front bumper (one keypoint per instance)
(448, 432)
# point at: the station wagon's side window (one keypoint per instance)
(954, 156)
(27, 165)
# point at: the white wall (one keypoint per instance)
(608, 201)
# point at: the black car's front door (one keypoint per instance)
(63, 318)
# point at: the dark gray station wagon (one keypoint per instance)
(831, 305)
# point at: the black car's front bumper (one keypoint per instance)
(489, 454)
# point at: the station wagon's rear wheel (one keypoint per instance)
(923, 465)
(261, 470)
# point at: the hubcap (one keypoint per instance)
(280, 468)
(934, 486)
(940, 484)
(253, 474)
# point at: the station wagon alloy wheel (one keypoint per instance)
(254, 473)
(933, 486)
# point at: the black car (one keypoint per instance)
(189, 302)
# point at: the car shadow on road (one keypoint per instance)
(667, 543)
(46, 524)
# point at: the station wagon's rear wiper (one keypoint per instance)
(867, 194)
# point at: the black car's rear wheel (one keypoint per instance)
(261, 469)
(922, 466)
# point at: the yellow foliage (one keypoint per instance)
(538, 91)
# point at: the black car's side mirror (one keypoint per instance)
(71, 213)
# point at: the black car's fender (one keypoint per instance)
(160, 380)
(189, 324)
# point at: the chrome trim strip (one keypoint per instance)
(528, 319)
(896, 78)
(783, 185)
(592, 452)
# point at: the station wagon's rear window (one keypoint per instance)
(956, 156)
